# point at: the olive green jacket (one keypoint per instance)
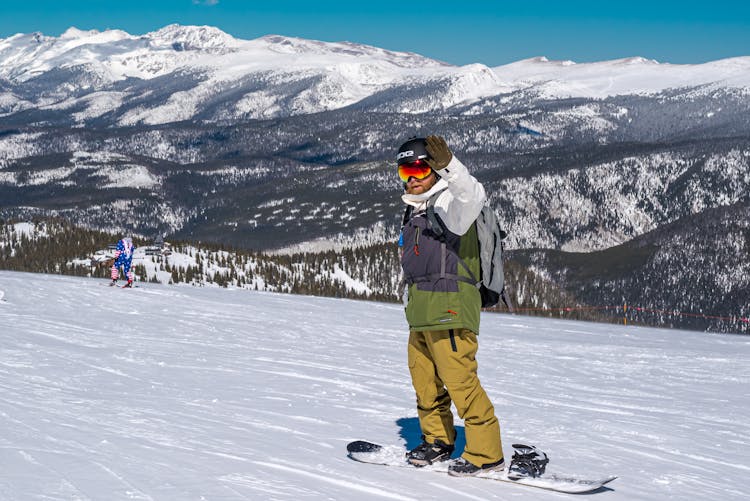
(436, 300)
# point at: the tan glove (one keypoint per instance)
(440, 154)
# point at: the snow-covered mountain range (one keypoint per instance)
(287, 144)
(201, 73)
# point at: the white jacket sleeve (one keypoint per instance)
(460, 205)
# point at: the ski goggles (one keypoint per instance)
(418, 169)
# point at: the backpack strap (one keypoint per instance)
(450, 276)
(407, 215)
(438, 228)
(436, 223)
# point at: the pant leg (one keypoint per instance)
(126, 269)
(114, 272)
(433, 401)
(454, 352)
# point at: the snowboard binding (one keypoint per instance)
(527, 461)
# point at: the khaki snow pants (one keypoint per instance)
(444, 370)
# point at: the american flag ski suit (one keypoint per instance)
(124, 258)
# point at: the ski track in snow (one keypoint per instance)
(177, 392)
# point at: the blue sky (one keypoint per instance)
(459, 32)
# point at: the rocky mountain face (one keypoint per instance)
(623, 180)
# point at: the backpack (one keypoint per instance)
(491, 284)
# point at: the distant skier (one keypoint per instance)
(442, 307)
(124, 258)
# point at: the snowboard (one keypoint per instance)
(368, 452)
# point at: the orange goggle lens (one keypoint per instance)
(418, 170)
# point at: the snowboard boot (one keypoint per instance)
(462, 468)
(113, 282)
(425, 454)
(129, 285)
(527, 461)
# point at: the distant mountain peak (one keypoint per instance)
(193, 37)
(543, 60)
(636, 60)
(295, 45)
(74, 32)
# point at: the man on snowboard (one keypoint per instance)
(442, 307)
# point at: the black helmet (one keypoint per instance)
(412, 150)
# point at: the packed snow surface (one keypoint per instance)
(180, 392)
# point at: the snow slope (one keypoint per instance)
(183, 393)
